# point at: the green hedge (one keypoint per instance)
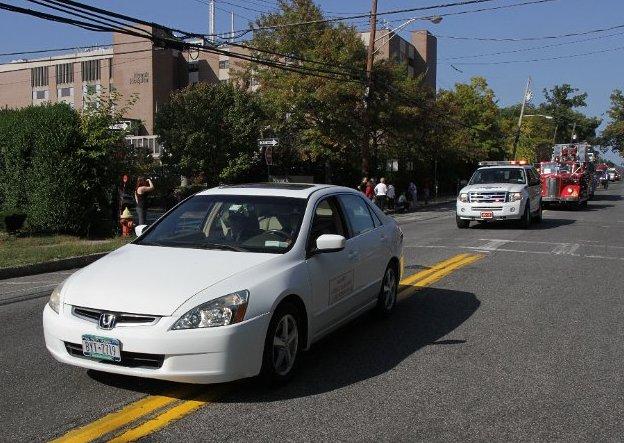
(42, 169)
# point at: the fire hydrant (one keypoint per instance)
(125, 220)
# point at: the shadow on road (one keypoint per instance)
(546, 223)
(606, 197)
(363, 349)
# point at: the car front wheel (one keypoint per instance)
(282, 345)
(388, 294)
(525, 221)
(462, 224)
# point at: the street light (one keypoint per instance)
(435, 19)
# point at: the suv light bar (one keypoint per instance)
(502, 163)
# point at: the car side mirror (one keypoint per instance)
(330, 243)
(138, 230)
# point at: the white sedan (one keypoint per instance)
(233, 282)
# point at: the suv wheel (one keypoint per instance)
(538, 214)
(525, 221)
(462, 224)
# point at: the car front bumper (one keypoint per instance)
(207, 355)
(500, 211)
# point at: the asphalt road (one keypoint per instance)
(526, 343)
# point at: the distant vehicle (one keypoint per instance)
(500, 190)
(569, 178)
(233, 282)
(604, 179)
(613, 174)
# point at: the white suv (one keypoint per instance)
(501, 191)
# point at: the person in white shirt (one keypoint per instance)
(381, 193)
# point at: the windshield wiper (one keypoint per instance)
(221, 246)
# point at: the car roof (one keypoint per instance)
(295, 190)
(506, 166)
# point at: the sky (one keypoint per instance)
(597, 74)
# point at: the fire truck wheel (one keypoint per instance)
(525, 221)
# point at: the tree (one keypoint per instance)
(316, 118)
(613, 134)
(561, 103)
(536, 134)
(211, 130)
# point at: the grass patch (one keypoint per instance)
(16, 251)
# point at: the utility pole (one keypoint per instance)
(524, 101)
(369, 84)
(211, 20)
(573, 138)
(232, 25)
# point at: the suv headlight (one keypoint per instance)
(55, 298)
(515, 196)
(222, 311)
(463, 197)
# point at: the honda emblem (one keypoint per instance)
(107, 320)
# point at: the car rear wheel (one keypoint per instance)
(282, 345)
(538, 214)
(462, 224)
(388, 293)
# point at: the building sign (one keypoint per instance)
(139, 78)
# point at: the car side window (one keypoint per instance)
(327, 220)
(358, 214)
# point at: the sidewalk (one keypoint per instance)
(421, 206)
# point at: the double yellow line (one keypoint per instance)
(414, 282)
(154, 412)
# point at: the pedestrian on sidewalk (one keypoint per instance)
(381, 193)
(362, 186)
(413, 193)
(369, 191)
(143, 187)
(391, 196)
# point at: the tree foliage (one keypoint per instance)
(211, 130)
(613, 134)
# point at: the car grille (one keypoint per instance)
(128, 359)
(487, 208)
(487, 197)
(552, 187)
(93, 315)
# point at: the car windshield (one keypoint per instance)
(230, 222)
(549, 168)
(498, 175)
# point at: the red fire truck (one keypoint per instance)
(569, 178)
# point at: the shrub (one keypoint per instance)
(12, 221)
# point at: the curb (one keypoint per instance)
(50, 266)
(422, 207)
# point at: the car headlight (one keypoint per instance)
(515, 196)
(463, 198)
(222, 311)
(55, 298)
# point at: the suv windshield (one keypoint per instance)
(498, 175)
(230, 222)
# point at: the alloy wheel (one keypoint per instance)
(389, 289)
(285, 345)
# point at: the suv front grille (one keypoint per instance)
(128, 359)
(122, 318)
(487, 197)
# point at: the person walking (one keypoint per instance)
(381, 193)
(391, 196)
(369, 191)
(362, 186)
(413, 192)
(143, 187)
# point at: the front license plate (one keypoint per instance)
(101, 348)
(487, 215)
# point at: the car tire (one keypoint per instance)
(387, 298)
(525, 221)
(282, 346)
(462, 224)
(538, 215)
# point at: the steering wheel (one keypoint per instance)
(279, 233)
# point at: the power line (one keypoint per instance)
(533, 48)
(560, 57)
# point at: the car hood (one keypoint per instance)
(154, 280)
(494, 187)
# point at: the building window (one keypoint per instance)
(90, 96)
(41, 94)
(90, 70)
(110, 68)
(65, 92)
(39, 76)
(224, 64)
(193, 73)
(65, 73)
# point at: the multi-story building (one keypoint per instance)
(134, 67)
(420, 54)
